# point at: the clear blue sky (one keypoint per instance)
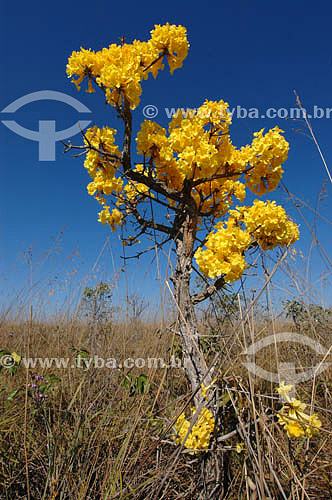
(251, 54)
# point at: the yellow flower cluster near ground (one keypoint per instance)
(292, 417)
(199, 436)
(120, 69)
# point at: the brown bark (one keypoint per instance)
(214, 471)
(194, 362)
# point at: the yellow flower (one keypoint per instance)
(292, 417)
(294, 429)
(224, 252)
(113, 219)
(268, 224)
(284, 390)
(239, 447)
(204, 391)
(266, 155)
(199, 437)
(120, 69)
(16, 357)
(173, 40)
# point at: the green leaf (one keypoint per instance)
(53, 378)
(142, 383)
(129, 381)
(12, 394)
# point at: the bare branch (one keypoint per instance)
(69, 146)
(164, 53)
(150, 223)
(209, 291)
(220, 176)
(147, 250)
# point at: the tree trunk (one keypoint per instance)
(194, 362)
(214, 472)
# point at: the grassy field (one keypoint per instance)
(102, 433)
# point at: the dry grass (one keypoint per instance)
(94, 438)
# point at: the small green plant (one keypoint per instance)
(136, 385)
(96, 304)
(81, 355)
(303, 315)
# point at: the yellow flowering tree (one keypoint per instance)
(191, 171)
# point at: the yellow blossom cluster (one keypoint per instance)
(265, 156)
(103, 171)
(265, 223)
(199, 437)
(113, 219)
(134, 191)
(102, 167)
(102, 162)
(120, 69)
(292, 417)
(218, 196)
(268, 224)
(224, 252)
(198, 146)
